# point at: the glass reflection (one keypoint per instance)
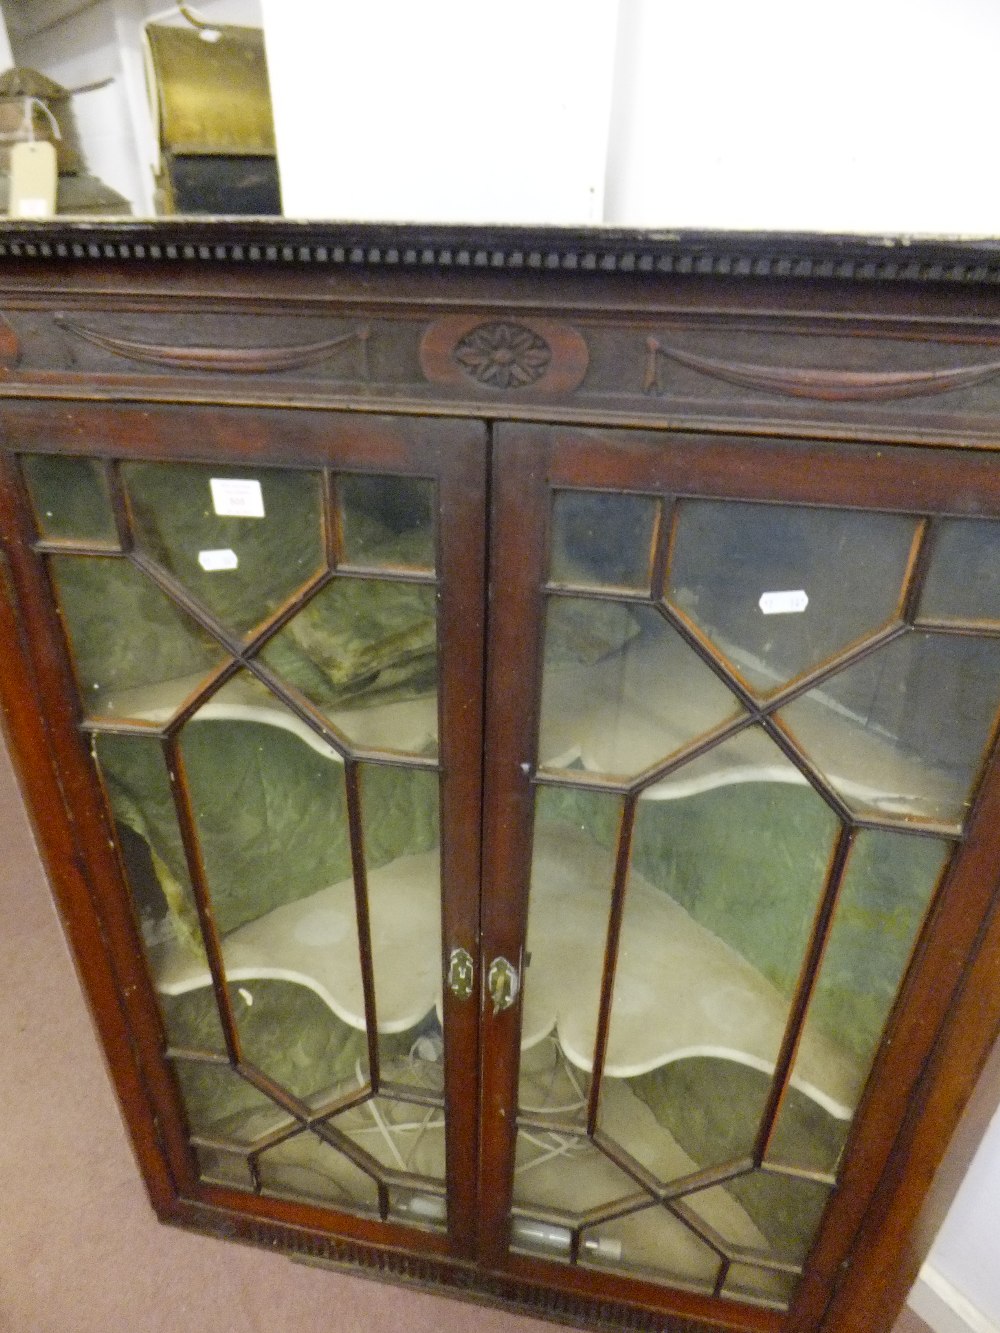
(387, 522)
(239, 540)
(603, 539)
(621, 689)
(137, 655)
(963, 577)
(70, 498)
(901, 733)
(778, 589)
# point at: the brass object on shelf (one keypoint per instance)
(35, 107)
(211, 106)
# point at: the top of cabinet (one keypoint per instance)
(919, 259)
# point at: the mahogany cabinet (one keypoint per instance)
(508, 718)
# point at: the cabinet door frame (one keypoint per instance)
(38, 695)
(530, 462)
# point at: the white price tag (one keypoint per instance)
(237, 499)
(32, 207)
(212, 560)
(783, 603)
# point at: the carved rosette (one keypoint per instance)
(508, 356)
(503, 355)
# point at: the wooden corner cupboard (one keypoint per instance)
(509, 719)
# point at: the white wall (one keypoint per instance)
(867, 115)
(967, 1251)
(442, 110)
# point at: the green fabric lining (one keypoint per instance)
(748, 862)
(270, 813)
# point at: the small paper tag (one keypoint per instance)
(33, 179)
(212, 560)
(237, 499)
(32, 207)
(783, 603)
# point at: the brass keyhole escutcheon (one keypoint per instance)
(461, 973)
(503, 984)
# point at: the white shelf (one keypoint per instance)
(680, 991)
(626, 713)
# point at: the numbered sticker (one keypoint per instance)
(237, 499)
(212, 560)
(787, 603)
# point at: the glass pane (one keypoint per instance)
(304, 1167)
(221, 1105)
(550, 1084)
(786, 1211)
(571, 877)
(290, 1033)
(70, 496)
(621, 690)
(695, 1112)
(780, 588)
(603, 540)
(901, 733)
(231, 1170)
(887, 889)
(729, 858)
(139, 790)
(401, 823)
(567, 1173)
(963, 578)
(744, 1282)
(137, 655)
(387, 522)
(270, 805)
(240, 540)
(192, 1017)
(364, 652)
(399, 1135)
(271, 817)
(653, 1241)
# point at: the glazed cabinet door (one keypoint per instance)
(741, 698)
(257, 639)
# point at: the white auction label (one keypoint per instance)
(31, 207)
(237, 499)
(212, 560)
(783, 603)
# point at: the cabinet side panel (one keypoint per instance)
(52, 770)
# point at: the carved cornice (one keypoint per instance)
(600, 250)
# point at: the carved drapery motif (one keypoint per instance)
(224, 360)
(823, 385)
